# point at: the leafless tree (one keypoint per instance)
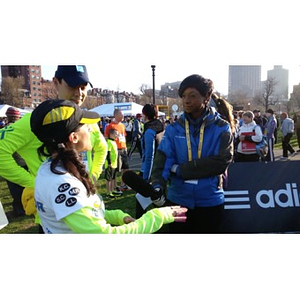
(266, 98)
(49, 91)
(11, 90)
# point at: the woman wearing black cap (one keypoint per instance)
(192, 156)
(65, 196)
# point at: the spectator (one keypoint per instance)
(248, 135)
(16, 190)
(136, 136)
(287, 128)
(153, 132)
(123, 165)
(111, 162)
(260, 120)
(128, 128)
(270, 129)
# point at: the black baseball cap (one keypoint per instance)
(56, 119)
(73, 75)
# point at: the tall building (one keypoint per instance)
(281, 76)
(170, 89)
(33, 80)
(244, 80)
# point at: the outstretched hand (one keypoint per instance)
(179, 213)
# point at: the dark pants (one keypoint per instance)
(136, 143)
(286, 146)
(16, 193)
(270, 155)
(240, 157)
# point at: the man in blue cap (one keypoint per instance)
(71, 83)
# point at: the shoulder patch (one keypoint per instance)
(64, 187)
(74, 191)
(71, 202)
(60, 198)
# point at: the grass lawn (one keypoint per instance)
(26, 224)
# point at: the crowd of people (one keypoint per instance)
(57, 153)
(252, 128)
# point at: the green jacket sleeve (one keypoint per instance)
(82, 222)
(97, 156)
(19, 138)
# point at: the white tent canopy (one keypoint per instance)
(128, 109)
(4, 107)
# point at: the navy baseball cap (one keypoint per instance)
(73, 75)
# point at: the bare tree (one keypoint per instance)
(146, 90)
(48, 90)
(267, 96)
(11, 90)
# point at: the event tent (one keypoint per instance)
(128, 109)
(4, 107)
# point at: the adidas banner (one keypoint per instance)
(262, 197)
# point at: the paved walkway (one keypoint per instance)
(278, 154)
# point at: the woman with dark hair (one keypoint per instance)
(191, 158)
(65, 196)
(153, 132)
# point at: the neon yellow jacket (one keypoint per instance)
(19, 138)
(81, 221)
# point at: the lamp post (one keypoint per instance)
(153, 76)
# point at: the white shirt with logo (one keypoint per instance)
(58, 196)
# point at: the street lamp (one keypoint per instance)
(153, 76)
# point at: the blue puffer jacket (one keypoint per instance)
(152, 129)
(217, 150)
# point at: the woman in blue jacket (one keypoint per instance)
(153, 132)
(194, 153)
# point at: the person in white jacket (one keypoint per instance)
(248, 135)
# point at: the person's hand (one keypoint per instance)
(242, 138)
(128, 219)
(179, 213)
(161, 199)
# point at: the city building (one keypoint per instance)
(32, 87)
(170, 89)
(104, 96)
(244, 80)
(281, 77)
